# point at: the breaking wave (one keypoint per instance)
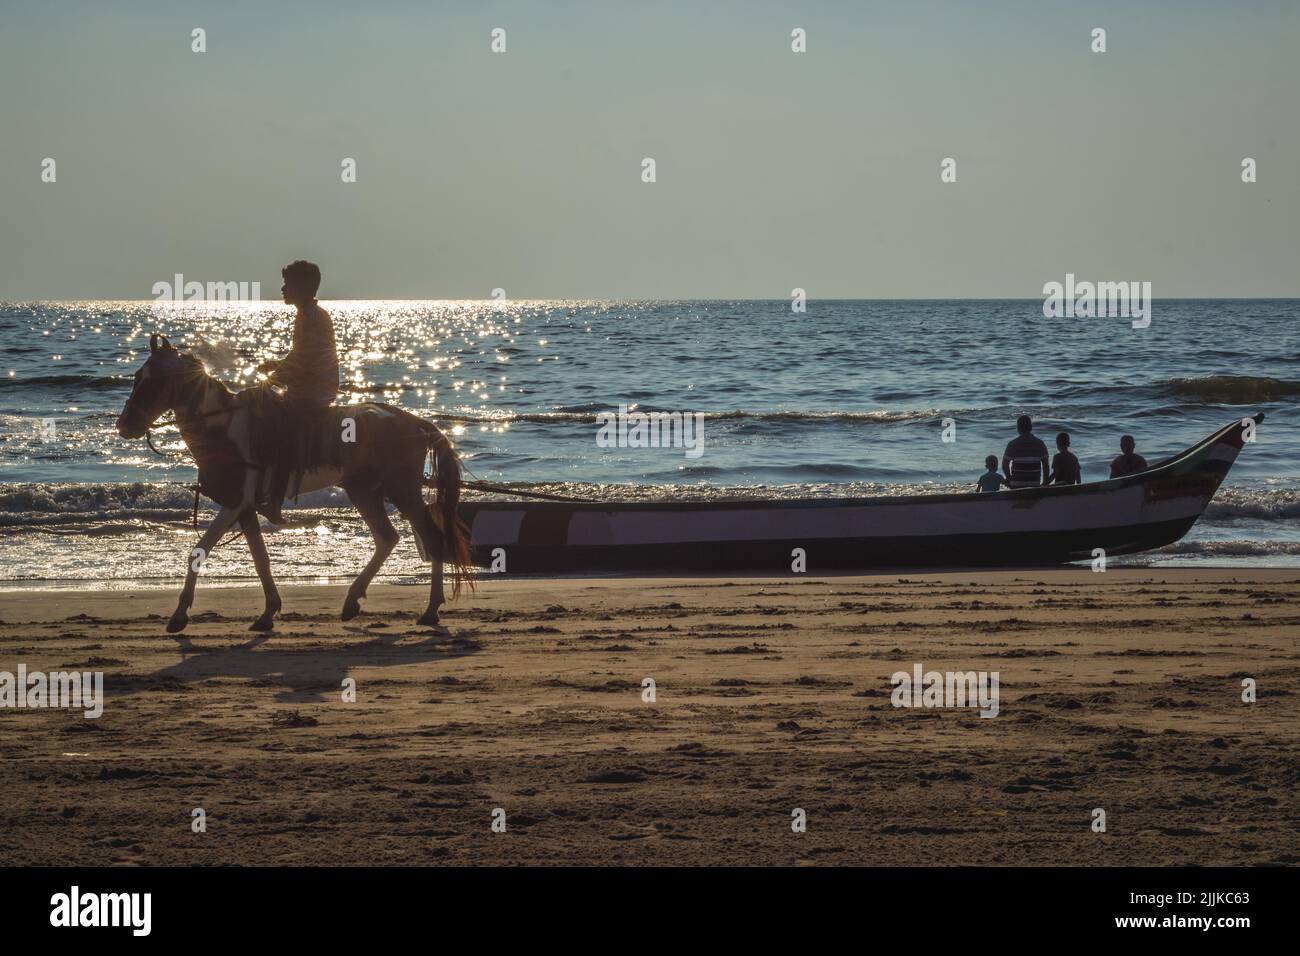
(1233, 548)
(122, 508)
(1233, 389)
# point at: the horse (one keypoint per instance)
(374, 452)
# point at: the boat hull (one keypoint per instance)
(1018, 549)
(1031, 526)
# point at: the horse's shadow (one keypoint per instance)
(305, 675)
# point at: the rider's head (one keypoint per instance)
(1127, 444)
(301, 280)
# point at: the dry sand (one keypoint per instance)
(1119, 690)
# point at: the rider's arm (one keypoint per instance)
(312, 366)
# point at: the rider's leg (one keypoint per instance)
(288, 419)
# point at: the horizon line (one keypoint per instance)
(519, 299)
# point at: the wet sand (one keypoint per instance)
(1119, 691)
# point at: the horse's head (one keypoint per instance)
(155, 388)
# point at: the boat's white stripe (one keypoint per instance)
(889, 521)
(496, 527)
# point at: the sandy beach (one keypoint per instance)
(1119, 691)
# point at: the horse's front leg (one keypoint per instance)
(195, 563)
(262, 562)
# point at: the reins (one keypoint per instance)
(477, 485)
(148, 438)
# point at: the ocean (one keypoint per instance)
(850, 397)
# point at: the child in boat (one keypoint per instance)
(1065, 466)
(992, 479)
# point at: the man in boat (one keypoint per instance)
(1129, 462)
(1025, 460)
(309, 375)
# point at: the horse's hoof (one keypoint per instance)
(177, 622)
(351, 608)
(267, 620)
(430, 619)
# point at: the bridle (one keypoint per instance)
(148, 431)
(193, 415)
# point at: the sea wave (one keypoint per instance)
(1274, 504)
(120, 508)
(586, 414)
(1232, 389)
(1234, 548)
(1198, 390)
(123, 506)
(68, 381)
(122, 383)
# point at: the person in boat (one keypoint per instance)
(309, 375)
(992, 479)
(1065, 466)
(1129, 462)
(1025, 460)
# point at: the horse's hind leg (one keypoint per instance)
(262, 562)
(370, 503)
(422, 523)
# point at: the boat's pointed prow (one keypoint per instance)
(1240, 433)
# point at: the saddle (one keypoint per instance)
(285, 441)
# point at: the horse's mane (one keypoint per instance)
(194, 381)
(198, 370)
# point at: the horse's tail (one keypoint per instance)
(446, 481)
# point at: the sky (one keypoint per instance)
(774, 170)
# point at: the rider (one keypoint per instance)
(309, 373)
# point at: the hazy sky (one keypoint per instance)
(522, 170)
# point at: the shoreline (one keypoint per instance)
(1119, 691)
(1173, 563)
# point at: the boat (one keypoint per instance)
(1037, 526)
